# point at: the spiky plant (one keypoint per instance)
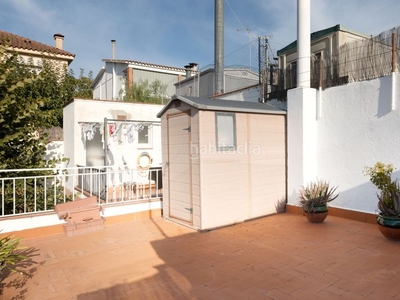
(10, 254)
(316, 193)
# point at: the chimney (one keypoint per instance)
(193, 66)
(188, 69)
(59, 39)
(113, 48)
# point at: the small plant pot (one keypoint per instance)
(319, 215)
(389, 227)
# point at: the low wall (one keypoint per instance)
(37, 225)
(338, 212)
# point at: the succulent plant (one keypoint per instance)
(316, 193)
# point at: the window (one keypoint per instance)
(225, 131)
(145, 136)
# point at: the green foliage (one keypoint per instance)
(146, 92)
(31, 195)
(10, 254)
(316, 193)
(81, 85)
(389, 197)
(21, 116)
(31, 100)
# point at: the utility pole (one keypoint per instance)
(219, 47)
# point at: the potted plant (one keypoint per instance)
(314, 200)
(388, 217)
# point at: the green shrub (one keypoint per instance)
(389, 197)
(10, 254)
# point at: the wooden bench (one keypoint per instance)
(81, 215)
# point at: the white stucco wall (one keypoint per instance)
(355, 128)
(252, 94)
(86, 111)
(302, 142)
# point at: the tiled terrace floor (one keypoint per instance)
(278, 257)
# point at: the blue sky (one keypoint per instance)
(176, 32)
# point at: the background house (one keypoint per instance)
(112, 79)
(30, 50)
(201, 83)
(115, 133)
(324, 43)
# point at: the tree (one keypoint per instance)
(31, 101)
(146, 92)
(82, 84)
(59, 87)
(22, 115)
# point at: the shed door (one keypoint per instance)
(180, 191)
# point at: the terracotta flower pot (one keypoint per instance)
(319, 215)
(389, 227)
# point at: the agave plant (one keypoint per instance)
(316, 193)
(389, 208)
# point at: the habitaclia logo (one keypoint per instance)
(247, 148)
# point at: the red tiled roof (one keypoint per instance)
(19, 42)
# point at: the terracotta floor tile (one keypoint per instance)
(278, 257)
(301, 295)
(278, 294)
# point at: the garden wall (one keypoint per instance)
(334, 134)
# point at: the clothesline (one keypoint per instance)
(118, 130)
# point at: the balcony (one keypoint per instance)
(28, 197)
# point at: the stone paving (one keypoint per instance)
(277, 257)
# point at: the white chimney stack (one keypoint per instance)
(113, 48)
(59, 39)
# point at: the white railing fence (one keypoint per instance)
(39, 190)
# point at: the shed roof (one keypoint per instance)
(224, 105)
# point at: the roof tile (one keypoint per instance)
(16, 41)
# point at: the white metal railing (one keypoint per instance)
(39, 190)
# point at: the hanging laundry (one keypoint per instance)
(111, 129)
(117, 133)
(91, 130)
(139, 127)
(131, 133)
(88, 130)
(102, 133)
